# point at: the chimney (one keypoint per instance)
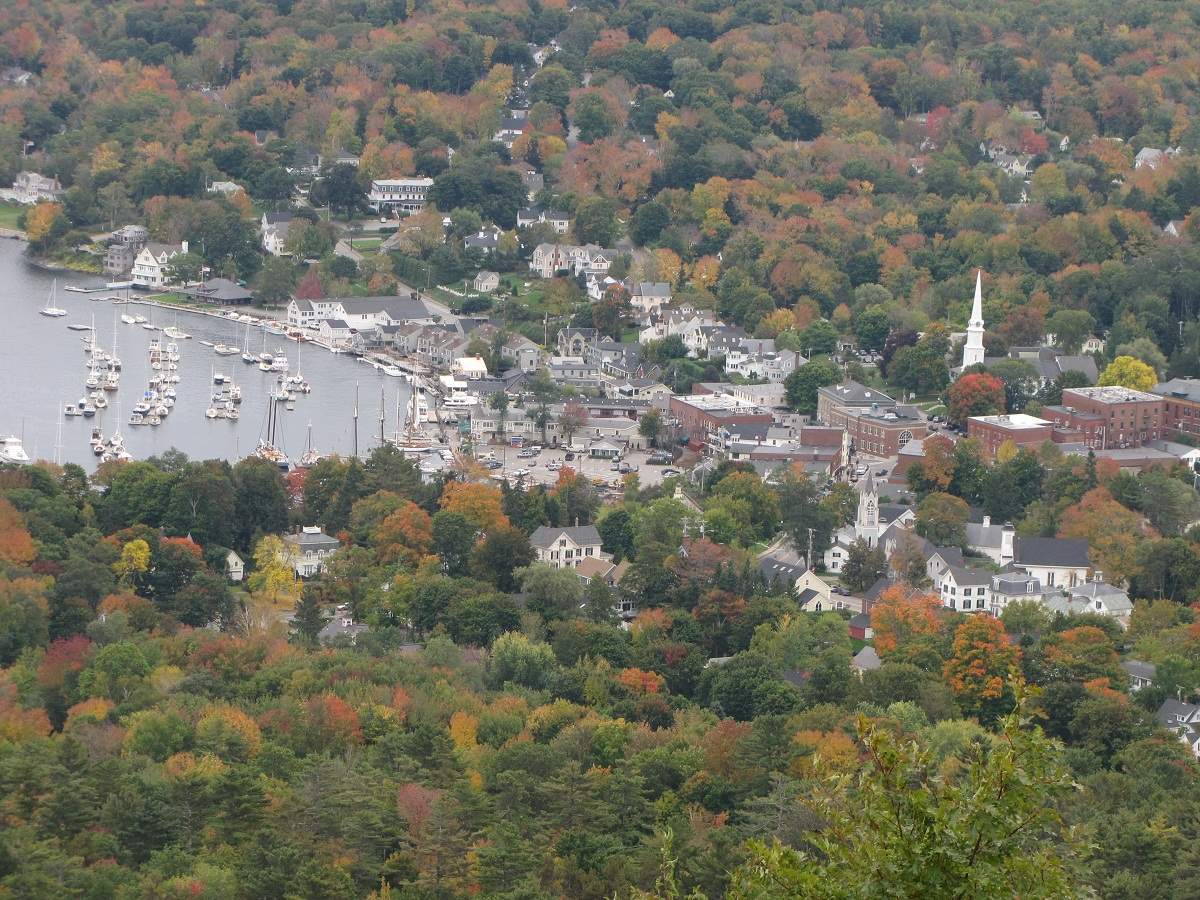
(987, 520)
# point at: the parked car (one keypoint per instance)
(658, 459)
(519, 473)
(667, 473)
(494, 464)
(527, 453)
(626, 468)
(569, 457)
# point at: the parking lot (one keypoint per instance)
(544, 467)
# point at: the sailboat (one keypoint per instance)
(311, 455)
(266, 448)
(50, 309)
(247, 357)
(412, 440)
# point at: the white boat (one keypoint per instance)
(219, 378)
(139, 319)
(89, 410)
(98, 400)
(206, 343)
(75, 326)
(174, 333)
(224, 350)
(210, 413)
(128, 319)
(12, 450)
(50, 309)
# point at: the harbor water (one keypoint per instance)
(43, 367)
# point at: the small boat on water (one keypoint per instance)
(206, 344)
(175, 333)
(75, 326)
(50, 310)
(128, 319)
(224, 350)
(219, 378)
(12, 450)
(139, 319)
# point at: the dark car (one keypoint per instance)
(570, 456)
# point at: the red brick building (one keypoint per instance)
(700, 415)
(1181, 406)
(1024, 431)
(1110, 418)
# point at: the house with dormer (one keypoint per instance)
(566, 547)
(152, 265)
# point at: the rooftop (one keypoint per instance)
(1112, 394)
(1012, 421)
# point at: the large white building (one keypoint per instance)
(364, 313)
(152, 265)
(566, 548)
(408, 194)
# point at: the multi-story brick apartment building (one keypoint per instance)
(1110, 418)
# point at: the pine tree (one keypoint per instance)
(310, 617)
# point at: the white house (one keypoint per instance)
(235, 569)
(529, 216)
(275, 226)
(32, 187)
(409, 194)
(486, 282)
(550, 259)
(563, 548)
(1055, 562)
(1183, 719)
(151, 267)
(225, 188)
(308, 549)
(649, 297)
(1096, 598)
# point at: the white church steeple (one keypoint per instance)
(973, 348)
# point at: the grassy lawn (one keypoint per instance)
(365, 244)
(9, 215)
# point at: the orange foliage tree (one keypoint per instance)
(1114, 533)
(16, 546)
(405, 534)
(899, 617)
(479, 504)
(980, 668)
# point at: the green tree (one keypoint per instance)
(650, 426)
(942, 520)
(648, 222)
(802, 384)
(596, 222)
(453, 540)
(551, 593)
(275, 281)
(310, 616)
(864, 566)
(1070, 327)
(871, 327)
(899, 828)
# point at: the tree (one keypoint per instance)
(310, 616)
(802, 384)
(900, 616)
(650, 426)
(863, 567)
(871, 327)
(888, 827)
(1113, 533)
(982, 668)
(479, 504)
(593, 118)
(274, 580)
(339, 188)
(499, 554)
(516, 658)
(573, 417)
(596, 221)
(1125, 371)
(551, 593)
(499, 402)
(544, 391)
(1070, 327)
(648, 222)
(804, 515)
(453, 540)
(819, 338)
(275, 281)
(975, 394)
(942, 520)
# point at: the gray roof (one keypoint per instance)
(1180, 389)
(1172, 711)
(861, 620)
(308, 539)
(223, 289)
(277, 218)
(866, 659)
(396, 307)
(851, 393)
(1038, 551)
(965, 576)
(545, 536)
(1113, 597)
(1139, 669)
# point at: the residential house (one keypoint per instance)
(1183, 719)
(485, 241)
(341, 628)
(31, 187)
(225, 188)
(512, 127)
(123, 249)
(334, 331)
(1055, 562)
(275, 226)
(996, 542)
(408, 194)
(781, 568)
(866, 660)
(220, 291)
(1013, 586)
(566, 547)
(529, 216)
(765, 364)
(152, 265)
(1141, 674)
(533, 180)
(1181, 406)
(308, 549)
(235, 568)
(550, 259)
(486, 282)
(860, 627)
(574, 371)
(965, 589)
(649, 297)
(1095, 598)
(364, 313)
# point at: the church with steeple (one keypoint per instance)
(973, 348)
(871, 523)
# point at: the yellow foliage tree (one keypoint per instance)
(40, 219)
(274, 580)
(1128, 372)
(135, 559)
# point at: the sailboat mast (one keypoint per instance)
(356, 420)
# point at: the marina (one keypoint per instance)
(40, 358)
